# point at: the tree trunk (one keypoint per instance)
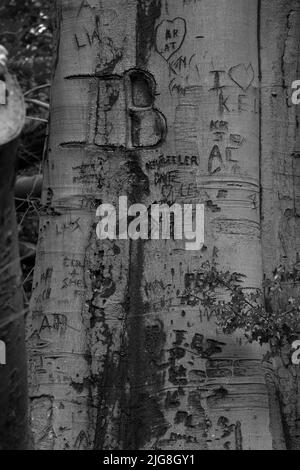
(13, 377)
(159, 102)
(280, 164)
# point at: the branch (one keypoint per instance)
(36, 88)
(32, 118)
(38, 103)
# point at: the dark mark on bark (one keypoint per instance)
(238, 436)
(148, 11)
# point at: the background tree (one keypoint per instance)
(25, 32)
(13, 377)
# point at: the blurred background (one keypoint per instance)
(25, 31)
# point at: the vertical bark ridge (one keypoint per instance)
(280, 177)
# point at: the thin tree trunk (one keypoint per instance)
(13, 377)
(280, 164)
(120, 359)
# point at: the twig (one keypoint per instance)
(38, 103)
(36, 119)
(36, 88)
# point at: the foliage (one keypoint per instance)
(25, 31)
(267, 315)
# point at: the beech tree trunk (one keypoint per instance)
(280, 164)
(159, 101)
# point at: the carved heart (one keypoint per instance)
(242, 75)
(169, 36)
